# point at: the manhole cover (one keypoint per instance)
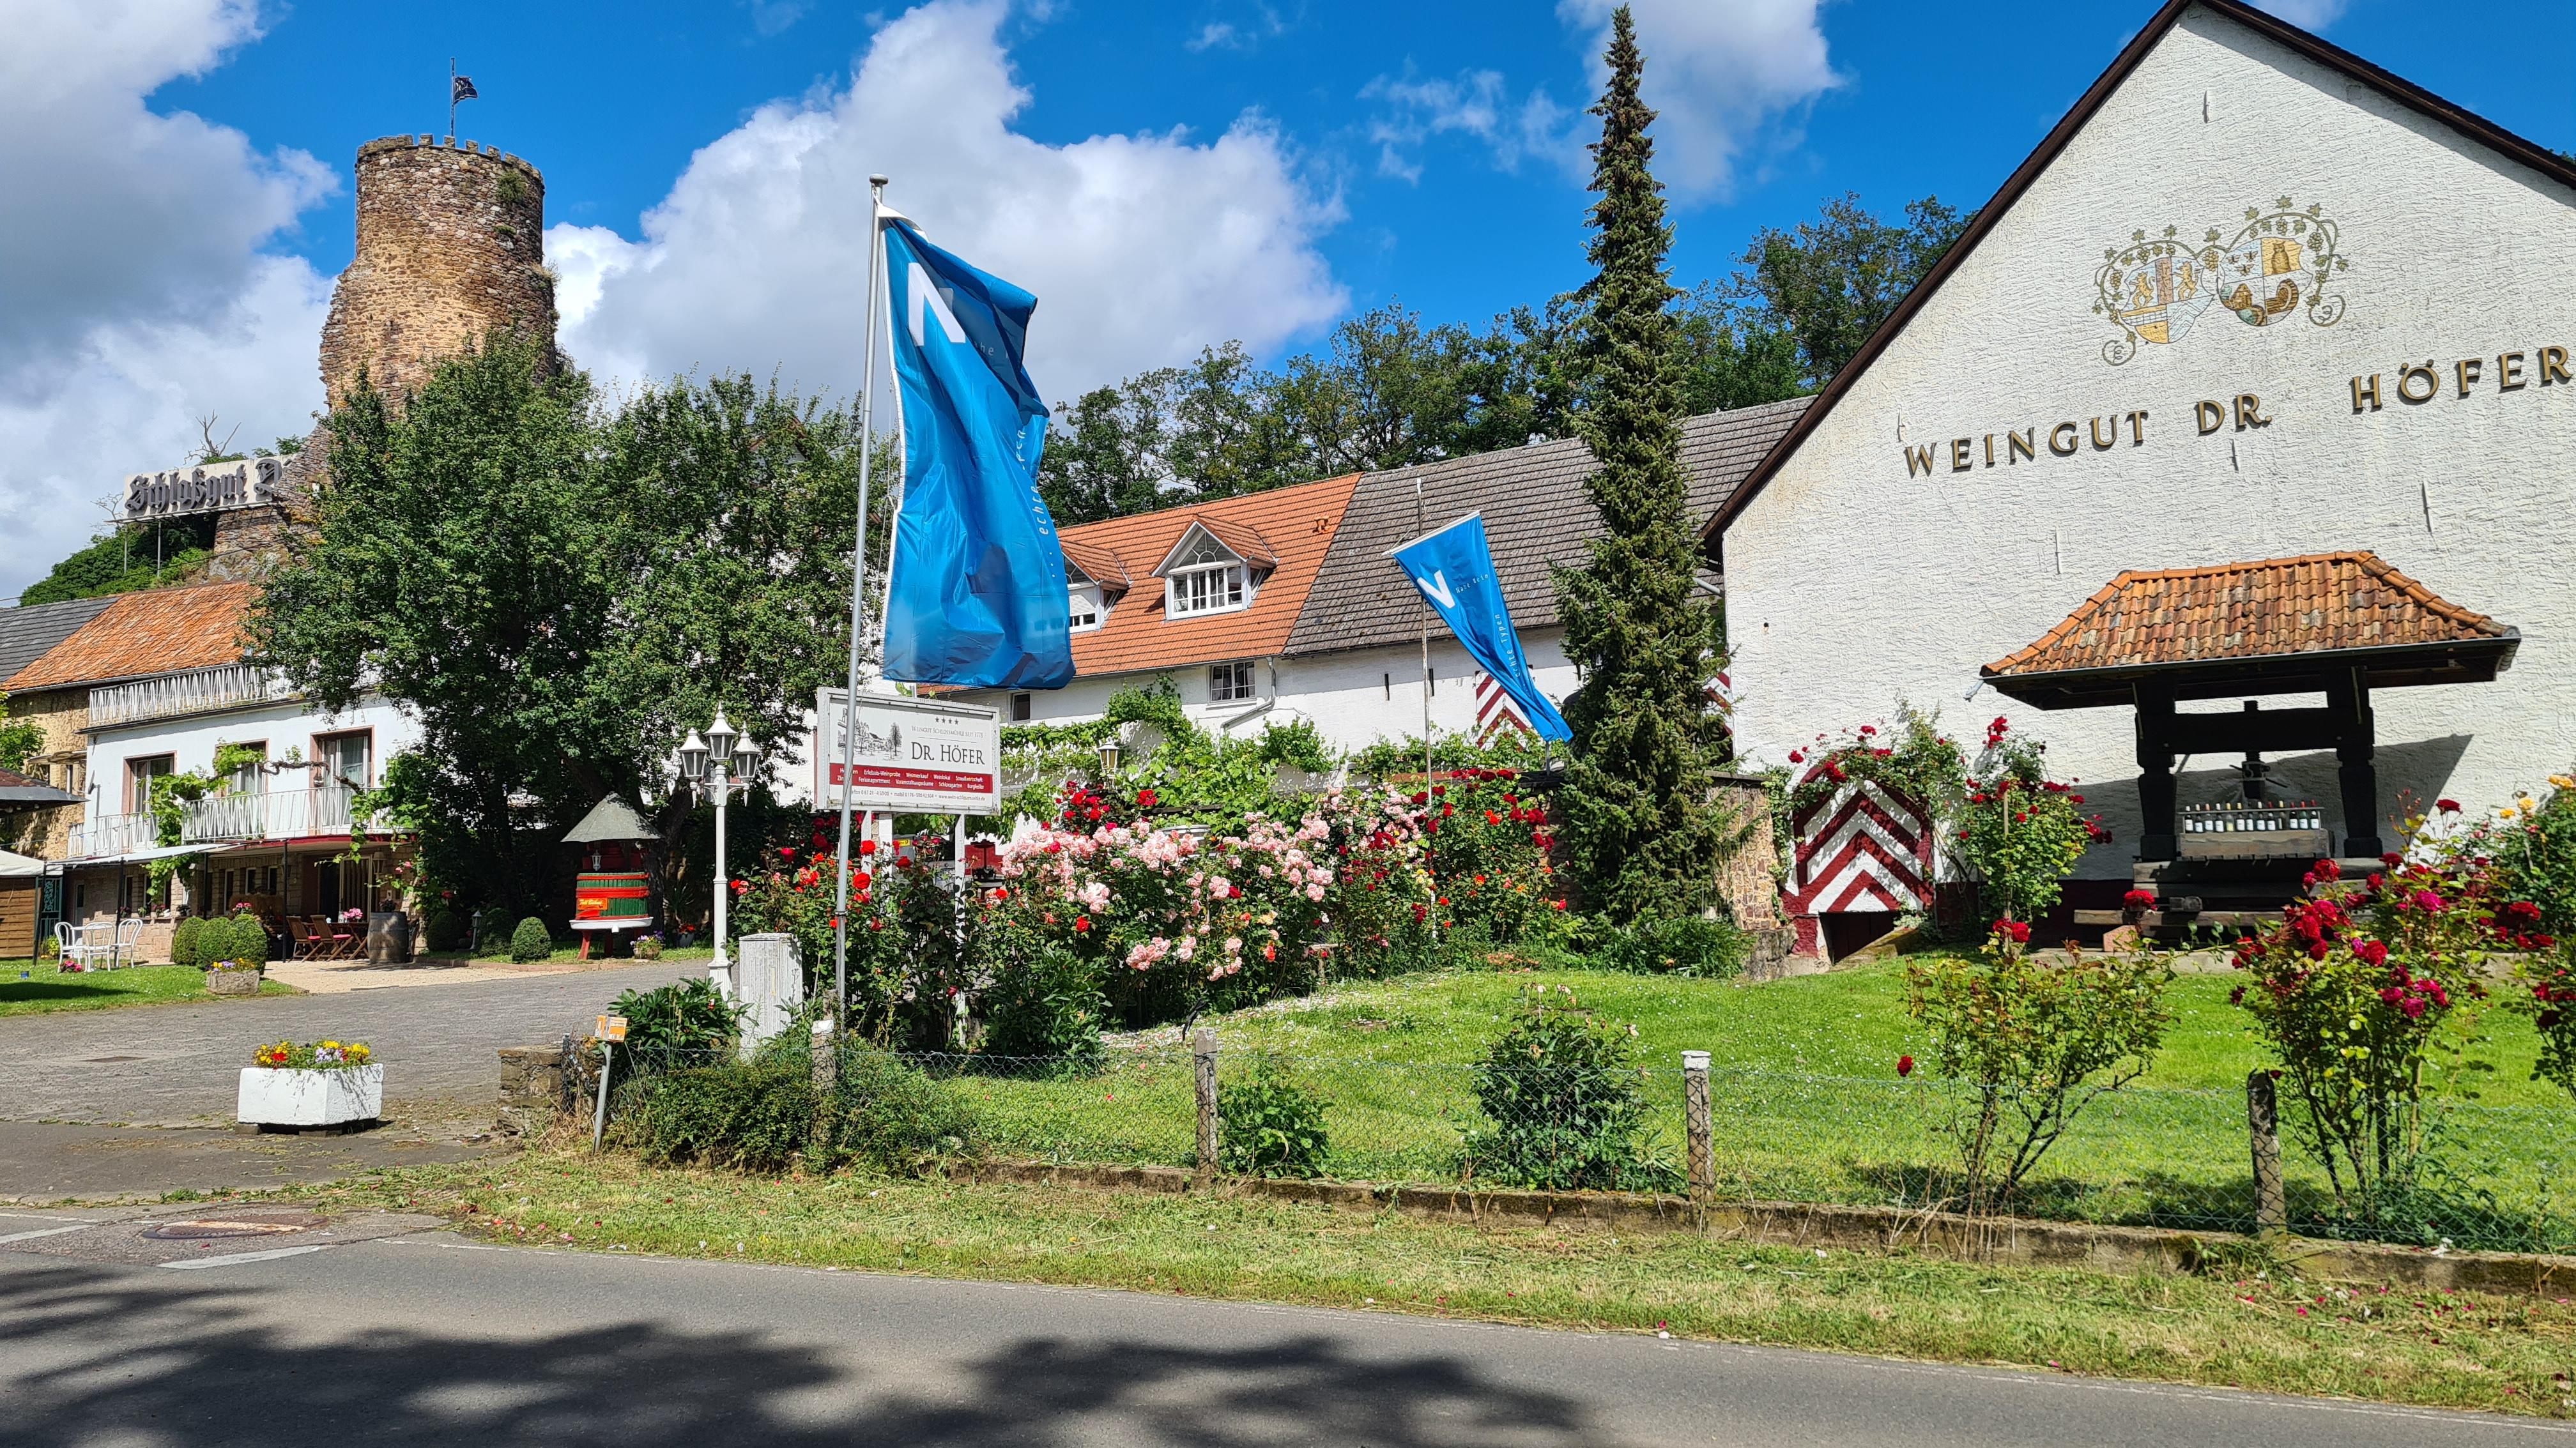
(242, 1223)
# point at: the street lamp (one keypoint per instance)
(719, 765)
(1108, 759)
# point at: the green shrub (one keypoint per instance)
(183, 941)
(1271, 1126)
(495, 936)
(243, 939)
(764, 1115)
(1567, 1102)
(686, 1015)
(1045, 1002)
(442, 929)
(530, 941)
(1707, 947)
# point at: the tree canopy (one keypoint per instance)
(559, 590)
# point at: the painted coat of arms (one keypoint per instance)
(2281, 261)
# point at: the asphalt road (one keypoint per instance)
(391, 1334)
(180, 1064)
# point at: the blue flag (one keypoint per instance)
(975, 591)
(1454, 568)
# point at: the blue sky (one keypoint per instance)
(1929, 99)
(1163, 175)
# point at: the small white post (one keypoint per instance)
(599, 1113)
(1695, 1114)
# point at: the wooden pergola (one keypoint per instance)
(2340, 624)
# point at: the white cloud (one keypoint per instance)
(134, 294)
(1140, 248)
(1475, 103)
(1717, 73)
(770, 17)
(2306, 14)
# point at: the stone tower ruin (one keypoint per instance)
(451, 246)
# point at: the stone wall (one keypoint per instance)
(61, 761)
(1749, 879)
(451, 246)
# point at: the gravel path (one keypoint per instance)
(180, 1064)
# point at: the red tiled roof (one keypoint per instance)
(2309, 604)
(1102, 565)
(1291, 527)
(156, 631)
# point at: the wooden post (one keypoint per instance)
(1203, 1058)
(2263, 1124)
(1703, 1163)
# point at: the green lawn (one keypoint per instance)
(2268, 1332)
(1807, 1102)
(29, 987)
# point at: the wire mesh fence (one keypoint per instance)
(2492, 1178)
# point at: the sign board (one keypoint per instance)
(204, 488)
(926, 756)
(610, 1028)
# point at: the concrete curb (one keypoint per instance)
(2010, 1241)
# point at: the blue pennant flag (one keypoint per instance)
(975, 591)
(1454, 568)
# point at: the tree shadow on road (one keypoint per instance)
(95, 1355)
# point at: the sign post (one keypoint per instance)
(609, 1031)
(899, 754)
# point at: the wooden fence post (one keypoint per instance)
(1703, 1162)
(2263, 1125)
(1203, 1058)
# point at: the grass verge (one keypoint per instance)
(33, 988)
(2258, 1330)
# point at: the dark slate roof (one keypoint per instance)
(18, 789)
(26, 634)
(1536, 515)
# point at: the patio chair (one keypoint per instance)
(300, 936)
(332, 941)
(71, 946)
(129, 933)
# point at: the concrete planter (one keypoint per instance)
(233, 982)
(275, 1096)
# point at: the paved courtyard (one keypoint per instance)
(179, 1065)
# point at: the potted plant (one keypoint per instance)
(315, 1083)
(234, 952)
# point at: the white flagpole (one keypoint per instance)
(858, 616)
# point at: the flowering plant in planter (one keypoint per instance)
(312, 1055)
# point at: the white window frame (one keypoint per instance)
(1207, 588)
(1085, 609)
(1233, 683)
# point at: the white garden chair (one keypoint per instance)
(71, 950)
(129, 933)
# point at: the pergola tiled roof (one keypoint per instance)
(2232, 621)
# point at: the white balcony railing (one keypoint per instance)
(279, 814)
(111, 835)
(198, 691)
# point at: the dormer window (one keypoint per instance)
(1095, 580)
(1214, 568)
(1209, 588)
(1083, 607)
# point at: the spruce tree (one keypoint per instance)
(1641, 833)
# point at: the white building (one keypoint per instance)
(164, 691)
(1284, 605)
(2253, 301)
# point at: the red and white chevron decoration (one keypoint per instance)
(1863, 847)
(1495, 711)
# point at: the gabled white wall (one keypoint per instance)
(193, 741)
(1852, 585)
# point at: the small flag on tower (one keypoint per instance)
(461, 88)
